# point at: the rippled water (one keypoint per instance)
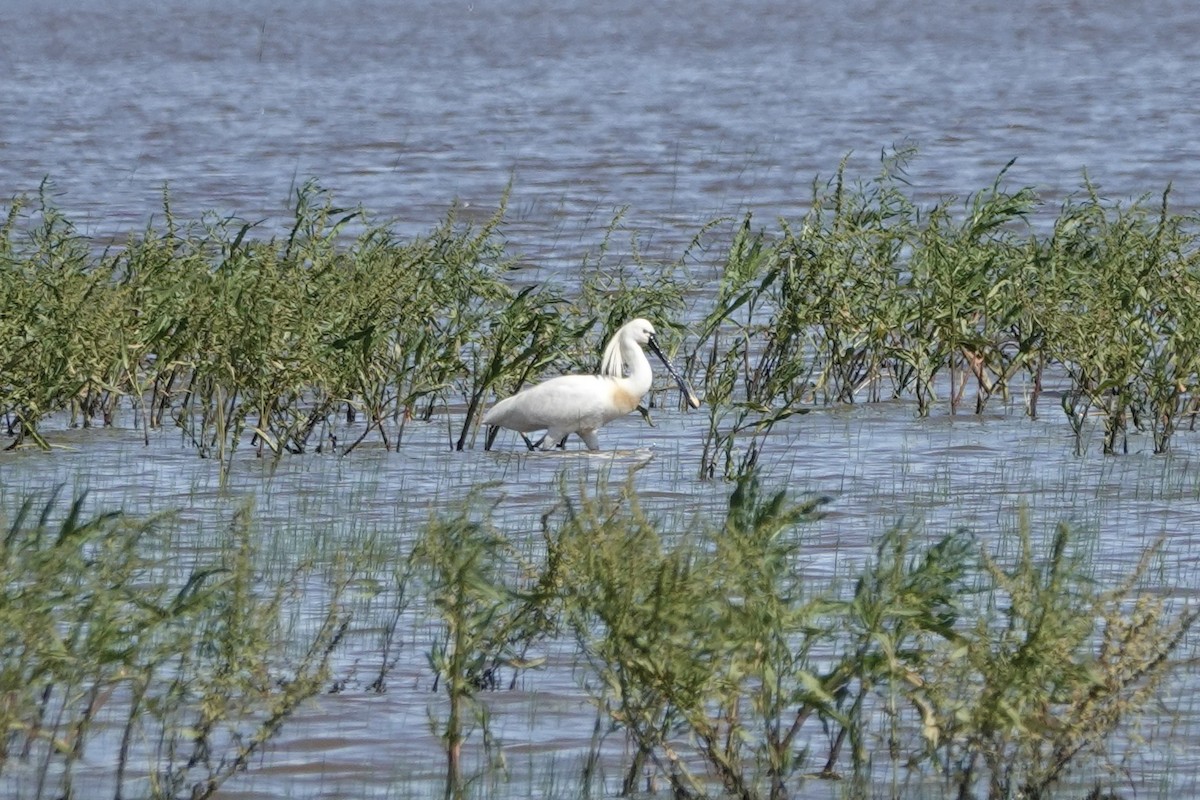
(680, 111)
(880, 464)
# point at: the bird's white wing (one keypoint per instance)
(568, 402)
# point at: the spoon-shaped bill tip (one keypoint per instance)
(692, 400)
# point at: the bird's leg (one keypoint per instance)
(552, 439)
(562, 443)
(532, 445)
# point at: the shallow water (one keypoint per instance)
(880, 465)
(681, 112)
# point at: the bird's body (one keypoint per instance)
(581, 404)
(568, 404)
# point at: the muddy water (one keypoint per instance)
(678, 111)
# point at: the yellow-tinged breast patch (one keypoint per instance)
(623, 400)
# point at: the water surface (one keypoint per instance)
(679, 112)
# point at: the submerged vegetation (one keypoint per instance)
(240, 339)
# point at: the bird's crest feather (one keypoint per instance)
(613, 362)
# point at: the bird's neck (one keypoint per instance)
(639, 378)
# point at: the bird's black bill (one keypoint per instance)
(688, 394)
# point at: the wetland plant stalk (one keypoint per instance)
(92, 621)
(223, 323)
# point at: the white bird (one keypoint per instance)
(581, 404)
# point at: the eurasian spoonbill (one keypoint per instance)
(581, 404)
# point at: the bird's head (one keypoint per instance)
(640, 330)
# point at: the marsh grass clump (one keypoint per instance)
(960, 306)
(241, 339)
(490, 607)
(1128, 279)
(871, 297)
(122, 669)
(691, 645)
(730, 674)
(1054, 666)
(754, 371)
(55, 321)
(336, 332)
(980, 668)
(867, 297)
(840, 292)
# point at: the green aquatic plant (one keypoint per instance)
(489, 608)
(190, 662)
(55, 319)
(731, 675)
(959, 309)
(1126, 280)
(729, 656)
(336, 331)
(1052, 668)
(841, 291)
(755, 369)
(683, 639)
